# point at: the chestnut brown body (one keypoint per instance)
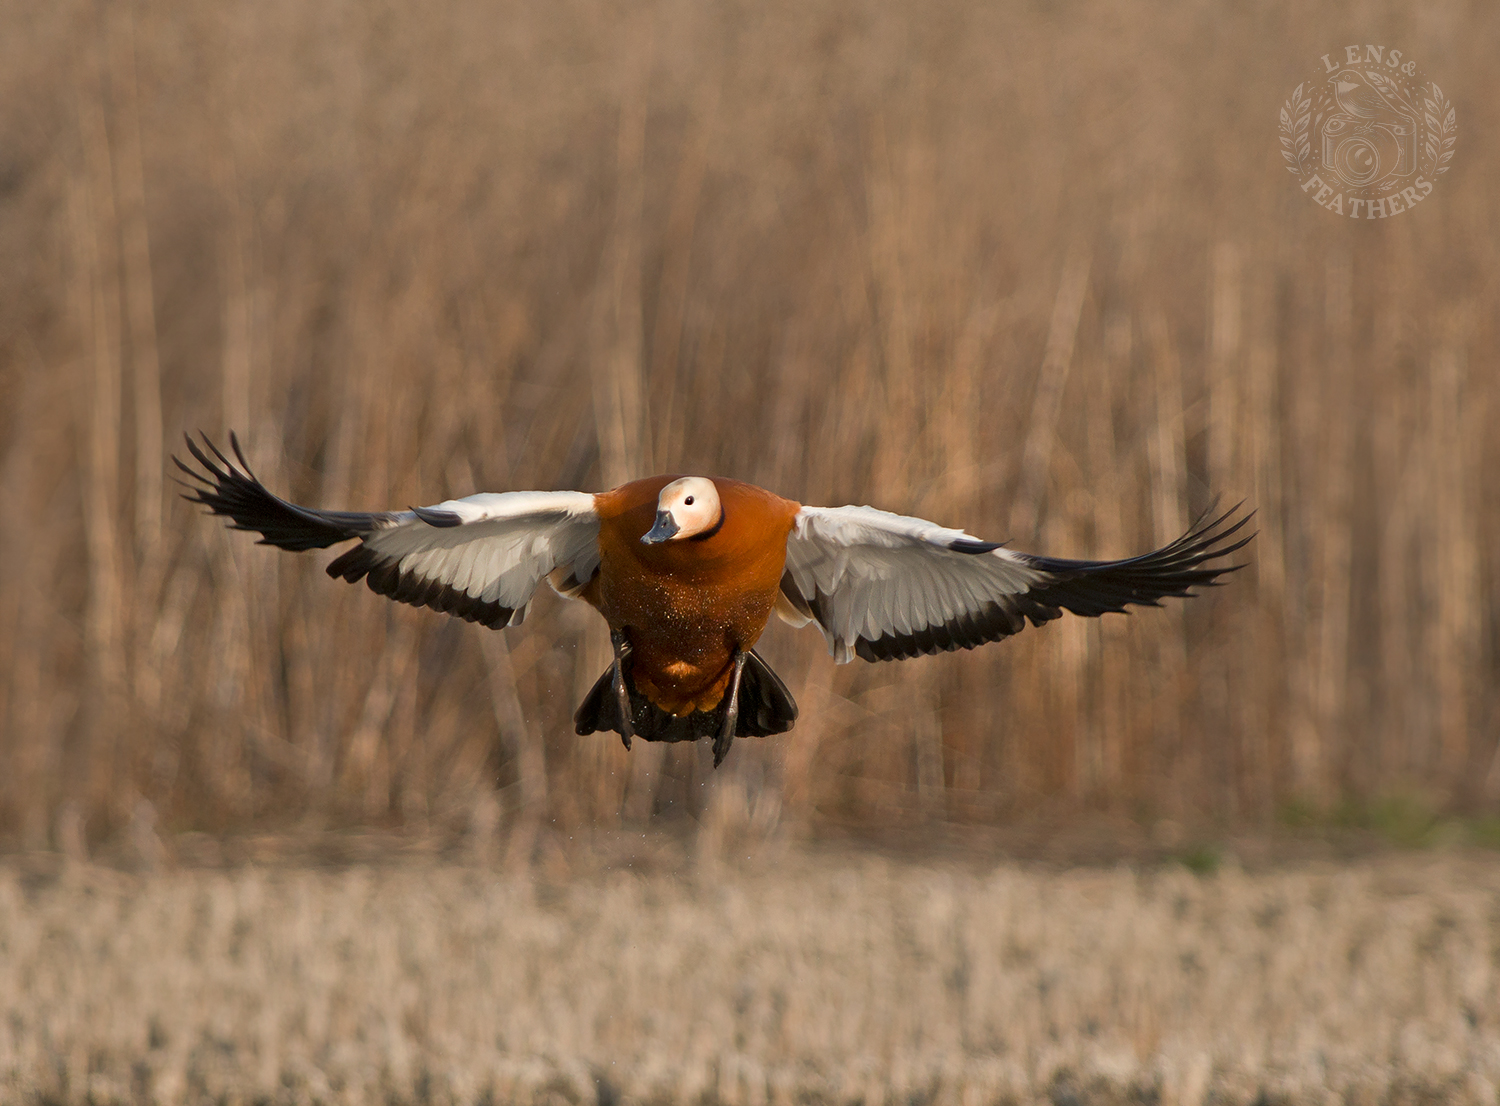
(686, 606)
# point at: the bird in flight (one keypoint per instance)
(686, 570)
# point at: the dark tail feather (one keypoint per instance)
(599, 712)
(766, 707)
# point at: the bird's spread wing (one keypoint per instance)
(884, 586)
(479, 558)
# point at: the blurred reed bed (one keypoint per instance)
(1042, 277)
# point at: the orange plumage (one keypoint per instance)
(685, 606)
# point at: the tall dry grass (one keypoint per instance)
(1034, 271)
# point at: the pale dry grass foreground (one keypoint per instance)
(813, 978)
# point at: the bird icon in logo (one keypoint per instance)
(1371, 141)
(1371, 97)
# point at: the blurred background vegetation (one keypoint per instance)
(1031, 268)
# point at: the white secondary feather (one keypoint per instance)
(879, 573)
(502, 545)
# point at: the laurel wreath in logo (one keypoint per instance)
(1442, 124)
(1295, 143)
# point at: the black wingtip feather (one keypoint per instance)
(237, 494)
(1093, 587)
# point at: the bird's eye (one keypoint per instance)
(688, 502)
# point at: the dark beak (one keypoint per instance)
(665, 527)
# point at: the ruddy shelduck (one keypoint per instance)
(686, 570)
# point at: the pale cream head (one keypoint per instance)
(685, 509)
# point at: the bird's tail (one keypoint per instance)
(766, 707)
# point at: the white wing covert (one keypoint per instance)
(883, 586)
(479, 558)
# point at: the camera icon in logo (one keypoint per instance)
(1371, 141)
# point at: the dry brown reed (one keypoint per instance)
(792, 979)
(1039, 274)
